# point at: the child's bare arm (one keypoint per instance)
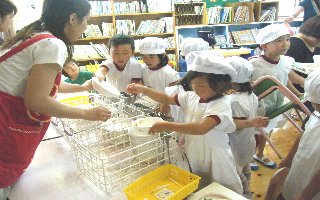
(194, 128)
(255, 122)
(296, 78)
(312, 188)
(153, 94)
(293, 89)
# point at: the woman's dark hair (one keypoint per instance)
(164, 59)
(311, 27)
(184, 82)
(55, 15)
(245, 87)
(6, 8)
(220, 83)
(120, 39)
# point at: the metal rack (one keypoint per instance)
(106, 154)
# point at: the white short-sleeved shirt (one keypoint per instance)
(210, 155)
(242, 142)
(306, 162)
(159, 79)
(281, 70)
(16, 69)
(120, 79)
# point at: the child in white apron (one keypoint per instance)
(208, 117)
(274, 39)
(244, 104)
(156, 73)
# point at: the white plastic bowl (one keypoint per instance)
(105, 88)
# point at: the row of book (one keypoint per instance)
(244, 36)
(92, 51)
(127, 7)
(242, 14)
(268, 14)
(100, 7)
(93, 30)
(128, 27)
(143, 6)
(219, 14)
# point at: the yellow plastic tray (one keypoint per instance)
(76, 101)
(166, 182)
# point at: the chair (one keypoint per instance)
(268, 84)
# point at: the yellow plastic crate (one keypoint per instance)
(93, 68)
(76, 101)
(166, 182)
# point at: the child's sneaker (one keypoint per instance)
(253, 165)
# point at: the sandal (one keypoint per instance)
(253, 165)
(265, 161)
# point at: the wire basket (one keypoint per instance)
(104, 151)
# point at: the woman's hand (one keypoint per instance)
(134, 88)
(97, 114)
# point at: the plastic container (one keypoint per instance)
(166, 182)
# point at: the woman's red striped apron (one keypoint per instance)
(21, 130)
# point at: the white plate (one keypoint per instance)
(105, 88)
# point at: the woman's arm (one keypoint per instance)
(312, 189)
(293, 89)
(295, 14)
(153, 94)
(194, 128)
(68, 87)
(37, 96)
(296, 78)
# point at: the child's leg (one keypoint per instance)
(260, 147)
(259, 156)
(245, 177)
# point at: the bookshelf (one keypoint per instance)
(190, 13)
(137, 18)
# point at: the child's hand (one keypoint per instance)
(97, 114)
(100, 76)
(158, 127)
(134, 88)
(260, 122)
(88, 85)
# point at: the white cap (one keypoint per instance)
(271, 33)
(243, 67)
(193, 44)
(191, 56)
(312, 87)
(153, 45)
(208, 63)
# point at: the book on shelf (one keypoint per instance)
(127, 7)
(126, 27)
(268, 14)
(100, 7)
(219, 14)
(161, 25)
(92, 51)
(242, 14)
(92, 31)
(158, 6)
(107, 29)
(221, 39)
(247, 36)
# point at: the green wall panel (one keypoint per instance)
(218, 2)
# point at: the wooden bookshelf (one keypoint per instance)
(193, 13)
(138, 16)
(263, 5)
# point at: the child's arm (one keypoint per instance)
(153, 94)
(194, 128)
(293, 89)
(69, 88)
(311, 189)
(296, 78)
(255, 122)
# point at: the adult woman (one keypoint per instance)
(31, 64)
(7, 11)
(308, 7)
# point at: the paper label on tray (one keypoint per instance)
(164, 193)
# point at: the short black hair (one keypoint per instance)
(311, 27)
(164, 59)
(6, 8)
(120, 39)
(220, 83)
(245, 87)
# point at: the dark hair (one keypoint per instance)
(311, 27)
(6, 8)
(184, 82)
(55, 15)
(220, 83)
(120, 39)
(164, 59)
(245, 87)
